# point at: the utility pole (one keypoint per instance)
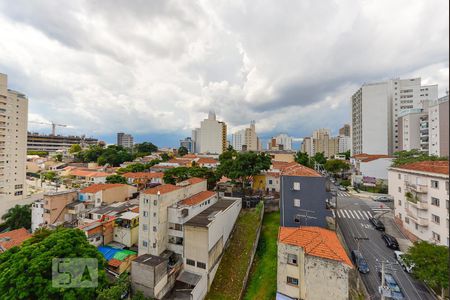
(382, 280)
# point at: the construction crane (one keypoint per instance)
(52, 123)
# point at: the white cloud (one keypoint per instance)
(159, 66)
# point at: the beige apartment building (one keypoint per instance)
(421, 199)
(312, 264)
(106, 193)
(13, 144)
(55, 206)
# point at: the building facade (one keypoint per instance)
(13, 143)
(53, 143)
(211, 137)
(345, 130)
(188, 143)
(345, 143)
(409, 128)
(125, 140)
(376, 108)
(245, 139)
(438, 115)
(421, 200)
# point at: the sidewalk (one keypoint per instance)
(392, 229)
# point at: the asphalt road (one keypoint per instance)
(352, 216)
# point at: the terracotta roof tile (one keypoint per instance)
(194, 180)
(207, 160)
(197, 198)
(364, 157)
(192, 156)
(13, 238)
(280, 165)
(144, 175)
(101, 187)
(300, 170)
(162, 189)
(439, 166)
(114, 262)
(315, 241)
(84, 173)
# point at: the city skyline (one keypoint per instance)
(147, 79)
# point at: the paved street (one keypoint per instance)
(353, 219)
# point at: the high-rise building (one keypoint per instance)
(345, 130)
(245, 139)
(13, 142)
(308, 146)
(281, 142)
(53, 143)
(188, 143)
(438, 115)
(125, 140)
(409, 131)
(211, 137)
(345, 143)
(375, 111)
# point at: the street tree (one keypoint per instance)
(116, 179)
(75, 148)
(29, 267)
(182, 151)
(319, 158)
(303, 159)
(414, 155)
(17, 217)
(336, 166)
(430, 264)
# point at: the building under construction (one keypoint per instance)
(52, 143)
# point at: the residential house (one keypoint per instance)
(106, 193)
(37, 214)
(421, 200)
(13, 238)
(55, 206)
(303, 197)
(312, 264)
(126, 229)
(370, 168)
(119, 260)
(144, 179)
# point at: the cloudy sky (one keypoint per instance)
(155, 68)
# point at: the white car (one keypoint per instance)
(398, 256)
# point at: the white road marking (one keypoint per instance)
(365, 213)
(351, 213)
(339, 215)
(360, 212)
(370, 215)
(356, 213)
(334, 216)
(348, 215)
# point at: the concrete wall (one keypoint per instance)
(376, 168)
(55, 204)
(148, 279)
(312, 195)
(295, 271)
(196, 248)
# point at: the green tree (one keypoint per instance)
(179, 174)
(91, 154)
(182, 151)
(346, 153)
(116, 290)
(242, 166)
(50, 176)
(319, 158)
(145, 148)
(29, 267)
(303, 159)
(405, 157)
(165, 157)
(39, 153)
(75, 148)
(114, 156)
(336, 166)
(59, 157)
(116, 179)
(17, 217)
(430, 264)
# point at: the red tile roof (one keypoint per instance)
(101, 187)
(280, 165)
(207, 160)
(315, 241)
(13, 238)
(144, 175)
(197, 198)
(300, 170)
(439, 167)
(194, 180)
(364, 157)
(84, 173)
(162, 189)
(192, 156)
(114, 262)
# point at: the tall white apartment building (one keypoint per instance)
(345, 143)
(285, 140)
(245, 139)
(308, 146)
(421, 200)
(409, 130)
(211, 137)
(125, 140)
(438, 115)
(13, 143)
(375, 111)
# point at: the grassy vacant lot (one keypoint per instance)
(229, 278)
(262, 283)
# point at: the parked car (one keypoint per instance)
(383, 199)
(360, 262)
(377, 224)
(390, 241)
(342, 188)
(407, 267)
(394, 289)
(330, 204)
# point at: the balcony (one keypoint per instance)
(176, 233)
(417, 188)
(421, 222)
(419, 205)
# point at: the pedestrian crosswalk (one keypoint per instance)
(343, 194)
(379, 208)
(352, 214)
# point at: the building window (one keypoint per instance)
(144, 227)
(399, 189)
(144, 243)
(201, 265)
(435, 219)
(18, 193)
(190, 262)
(436, 237)
(434, 184)
(417, 226)
(399, 176)
(155, 202)
(292, 259)
(292, 281)
(297, 202)
(154, 228)
(145, 213)
(435, 201)
(270, 181)
(145, 201)
(406, 220)
(399, 202)
(296, 186)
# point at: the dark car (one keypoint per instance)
(360, 261)
(394, 289)
(390, 241)
(377, 224)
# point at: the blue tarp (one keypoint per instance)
(107, 252)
